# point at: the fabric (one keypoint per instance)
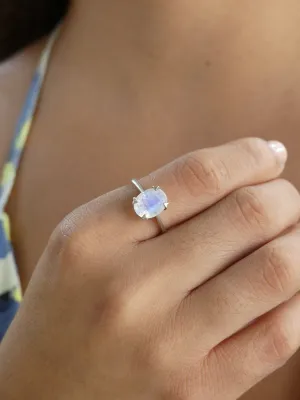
(10, 289)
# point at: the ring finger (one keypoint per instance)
(220, 236)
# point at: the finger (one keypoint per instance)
(199, 179)
(244, 292)
(192, 183)
(255, 352)
(236, 226)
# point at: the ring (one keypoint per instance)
(150, 203)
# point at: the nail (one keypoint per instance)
(280, 150)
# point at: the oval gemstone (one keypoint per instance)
(150, 203)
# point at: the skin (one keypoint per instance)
(145, 83)
(217, 331)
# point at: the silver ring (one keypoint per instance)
(150, 203)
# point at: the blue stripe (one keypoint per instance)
(27, 112)
(5, 246)
(8, 310)
(30, 102)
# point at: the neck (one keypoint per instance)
(187, 63)
(144, 36)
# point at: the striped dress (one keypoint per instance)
(10, 289)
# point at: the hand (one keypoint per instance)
(116, 311)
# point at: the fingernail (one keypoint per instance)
(280, 150)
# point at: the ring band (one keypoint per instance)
(150, 203)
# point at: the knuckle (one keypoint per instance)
(58, 238)
(117, 307)
(278, 271)
(68, 228)
(281, 341)
(116, 314)
(179, 389)
(76, 249)
(292, 193)
(157, 359)
(256, 150)
(250, 209)
(76, 252)
(199, 173)
(180, 382)
(121, 309)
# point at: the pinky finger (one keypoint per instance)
(255, 352)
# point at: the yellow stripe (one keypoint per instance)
(17, 295)
(21, 139)
(9, 173)
(6, 225)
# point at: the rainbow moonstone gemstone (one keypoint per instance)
(150, 203)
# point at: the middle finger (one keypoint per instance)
(233, 228)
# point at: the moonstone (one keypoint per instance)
(150, 203)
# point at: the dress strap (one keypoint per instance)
(10, 288)
(24, 124)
